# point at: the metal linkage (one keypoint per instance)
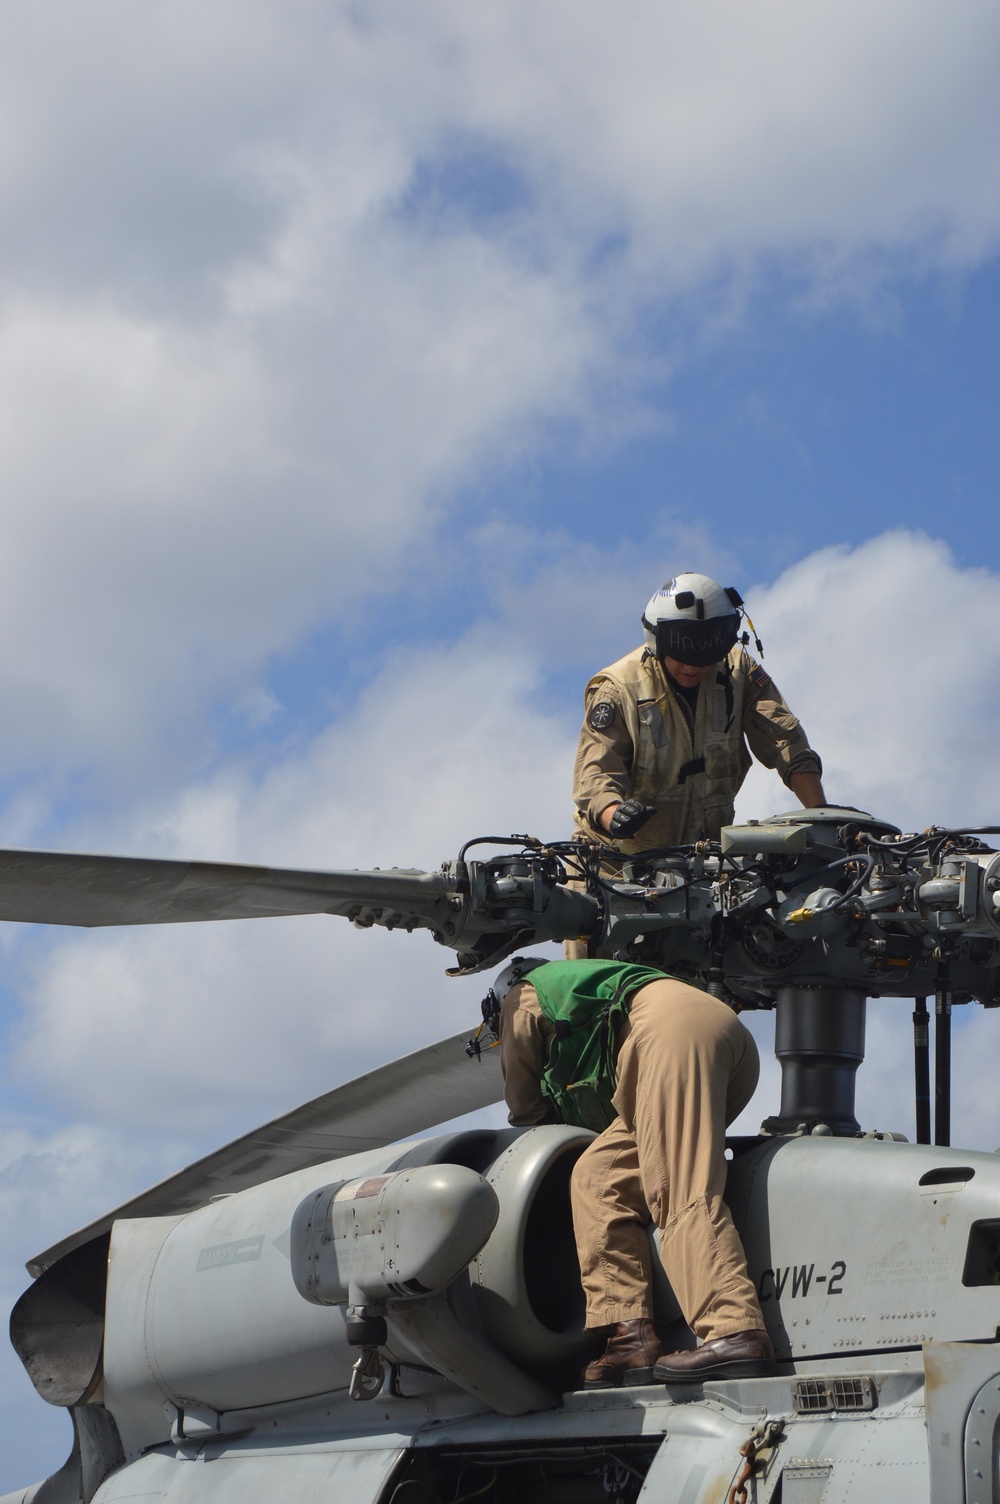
(942, 1066)
(367, 1375)
(764, 1436)
(922, 1070)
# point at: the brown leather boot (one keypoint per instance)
(633, 1347)
(741, 1355)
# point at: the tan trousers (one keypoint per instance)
(686, 1068)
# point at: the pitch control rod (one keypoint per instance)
(922, 1069)
(942, 1065)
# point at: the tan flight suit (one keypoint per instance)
(686, 1068)
(640, 739)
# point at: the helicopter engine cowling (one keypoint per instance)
(526, 1278)
(383, 1236)
(241, 1305)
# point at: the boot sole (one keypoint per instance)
(630, 1378)
(751, 1369)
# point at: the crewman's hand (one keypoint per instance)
(628, 817)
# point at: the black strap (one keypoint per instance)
(695, 765)
(604, 1044)
(725, 679)
(608, 1052)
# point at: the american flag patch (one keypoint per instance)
(760, 676)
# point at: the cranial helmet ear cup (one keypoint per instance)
(515, 971)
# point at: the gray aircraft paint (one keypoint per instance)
(876, 1260)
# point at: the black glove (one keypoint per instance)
(629, 817)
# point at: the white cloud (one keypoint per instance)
(155, 1045)
(218, 1020)
(51, 1181)
(727, 131)
(175, 517)
(280, 281)
(696, 133)
(888, 653)
(204, 1025)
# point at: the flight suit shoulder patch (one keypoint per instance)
(760, 676)
(601, 715)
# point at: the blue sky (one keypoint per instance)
(362, 377)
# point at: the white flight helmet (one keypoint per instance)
(693, 619)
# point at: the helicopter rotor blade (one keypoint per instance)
(52, 887)
(395, 1101)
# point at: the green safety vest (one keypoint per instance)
(585, 1001)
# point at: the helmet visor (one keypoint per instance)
(697, 643)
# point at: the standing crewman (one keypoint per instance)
(668, 730)
(660, 1068)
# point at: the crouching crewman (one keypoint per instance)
(659, 1068)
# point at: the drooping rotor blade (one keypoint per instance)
(395, 1101)
(52, 887)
